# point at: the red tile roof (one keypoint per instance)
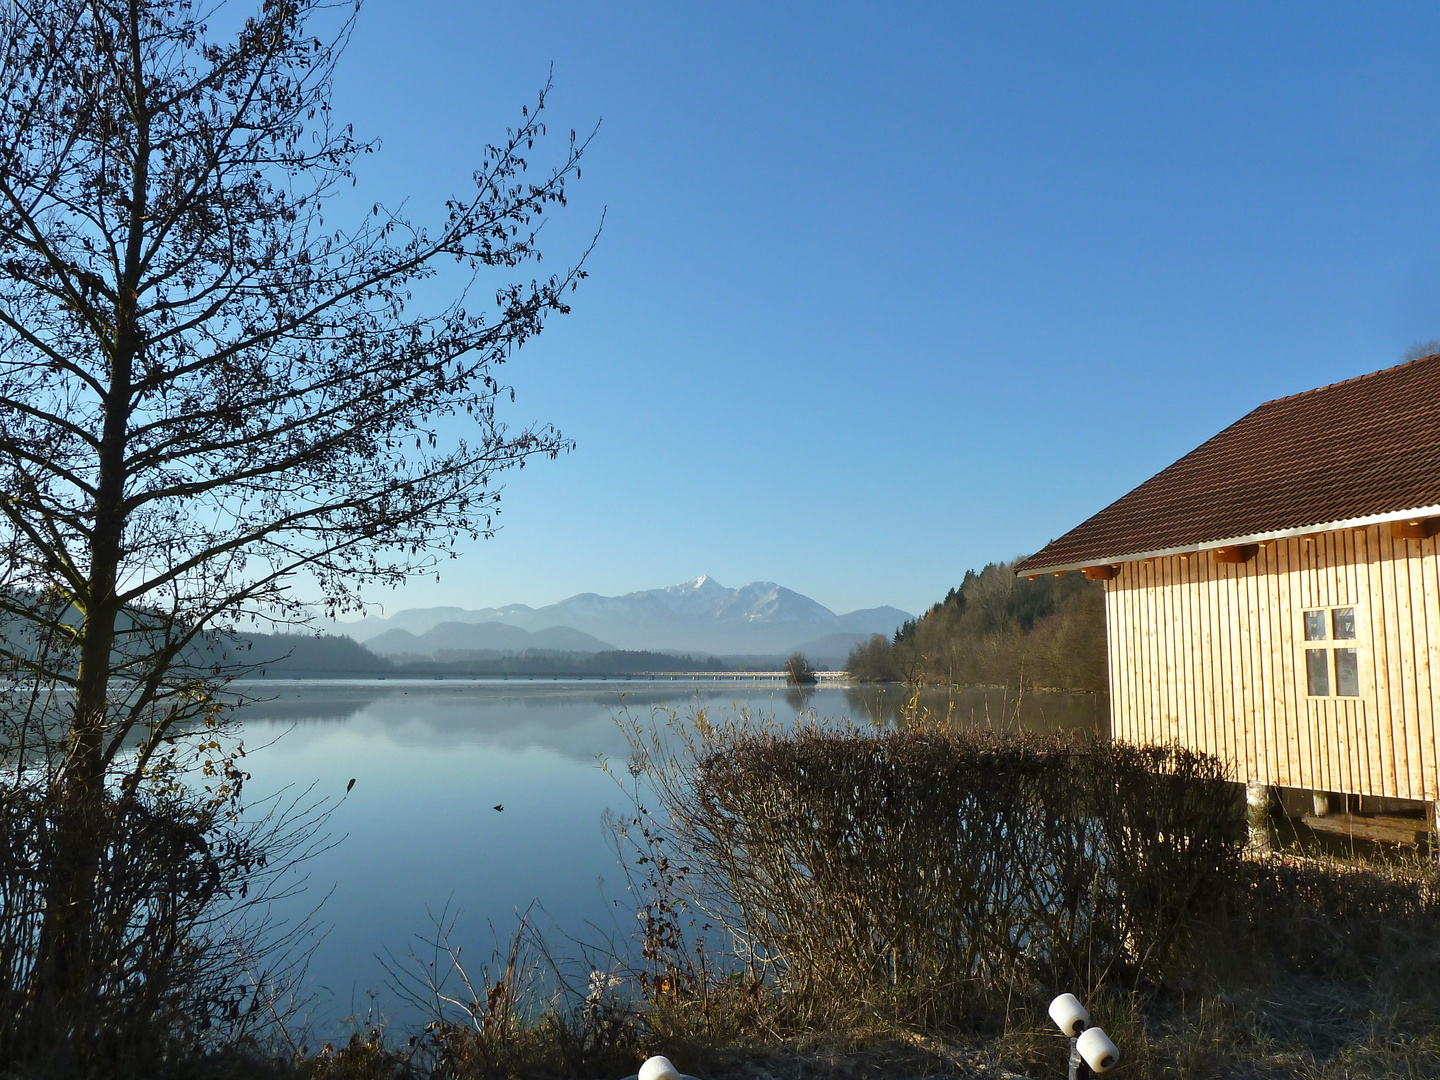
(1364, 447)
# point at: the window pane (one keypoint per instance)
(1347, 673)
(1317, 672)
(1314, 626)
(1344, 620)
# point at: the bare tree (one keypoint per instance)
(207, 390)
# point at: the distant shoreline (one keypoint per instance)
(831, 677)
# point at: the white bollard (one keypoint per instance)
(658, 1068)
(1098, 1051)
(1069, 1015)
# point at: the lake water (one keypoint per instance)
(418, 833)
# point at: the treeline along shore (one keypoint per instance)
(997, 630)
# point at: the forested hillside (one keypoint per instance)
(998, 630)
(293, 656)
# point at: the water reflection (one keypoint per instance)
(994, 707)
(575, 720)
(432, 759)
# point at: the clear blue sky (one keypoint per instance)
(886, 292)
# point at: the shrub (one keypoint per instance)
(938, 870)
(798, 670)
(872, 661)
(176, 932)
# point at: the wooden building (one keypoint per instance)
(1273, 597)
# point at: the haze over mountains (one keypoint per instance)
(700, 616)
(456, 636)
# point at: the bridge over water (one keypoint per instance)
(723, 676)
(663, 676)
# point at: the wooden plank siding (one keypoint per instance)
(1211, 656)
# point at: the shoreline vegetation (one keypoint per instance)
(829, 901)
(997, 630)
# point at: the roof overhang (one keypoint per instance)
(1415, 514)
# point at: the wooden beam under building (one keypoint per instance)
(1415, 530)
(1240, 553)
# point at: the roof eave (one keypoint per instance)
(1233, 541)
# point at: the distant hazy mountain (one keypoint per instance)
(302, 655)
(698, 616)
(487, 637)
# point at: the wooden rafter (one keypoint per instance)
(1415, 530)
(1239, 553)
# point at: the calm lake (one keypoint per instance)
(419, 833)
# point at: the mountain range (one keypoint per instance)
(697, 616)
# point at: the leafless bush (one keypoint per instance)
(180, 924)
(936, 872)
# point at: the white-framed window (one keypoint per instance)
(1332, 654)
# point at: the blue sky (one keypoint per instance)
(886, 292)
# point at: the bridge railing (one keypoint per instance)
(723, 676)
